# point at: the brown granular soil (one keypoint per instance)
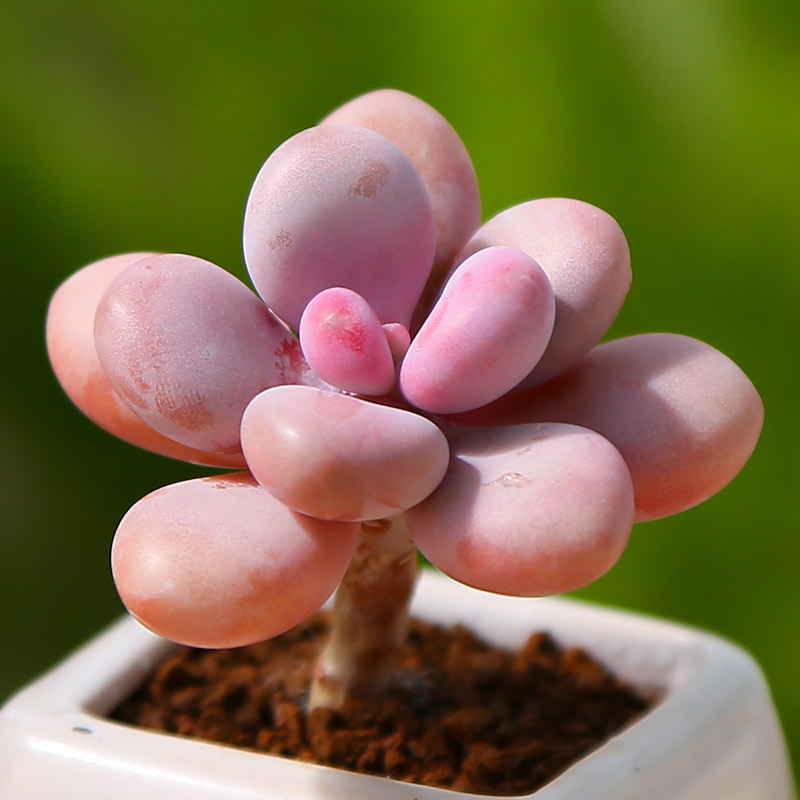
(461, 715)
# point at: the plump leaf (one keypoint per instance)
(339, 205)
(345, 344)
(485, 333)
(339, 457)
(218, 562)
(188, 346)
(440, 157)
(683, 415)
(527, 509)
(71, 347)
(584, 254)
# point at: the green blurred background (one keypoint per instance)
(140, 127)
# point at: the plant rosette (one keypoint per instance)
(412, 380)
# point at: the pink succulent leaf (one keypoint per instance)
(398, 338)
(218, 562)
(683, 415)
(73, 355)
(187, 346)
(486, 332)
(441, 159)
(334, 456)
(527, 509)
(586, 258)
(345, 344)
(339, 205)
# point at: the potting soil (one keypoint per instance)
(461, 714)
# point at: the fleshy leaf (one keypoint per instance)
(345, 344)
(440, 157)
(71, 347)
(218, 562)
(585, 256)
(187, 346)
(338, 205)
(527, 509)
(485, 333)
(683, 415)
(339, 457)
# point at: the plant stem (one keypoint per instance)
(370, 616)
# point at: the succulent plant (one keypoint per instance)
(411, 379)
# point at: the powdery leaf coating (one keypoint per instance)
(217, 562)
(70, 345)
(338, 457)
(527, 510)
(339, 206)
(584, 254)
(188, 346)
(344, 343)
(485, 333)
(683, 415)
(439, 155)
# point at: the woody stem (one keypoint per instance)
(370, 616)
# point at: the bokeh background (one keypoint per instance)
(140, 126)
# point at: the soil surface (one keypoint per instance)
(461, 715)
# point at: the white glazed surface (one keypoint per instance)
(713, 736)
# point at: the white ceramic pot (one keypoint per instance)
(713, 736)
